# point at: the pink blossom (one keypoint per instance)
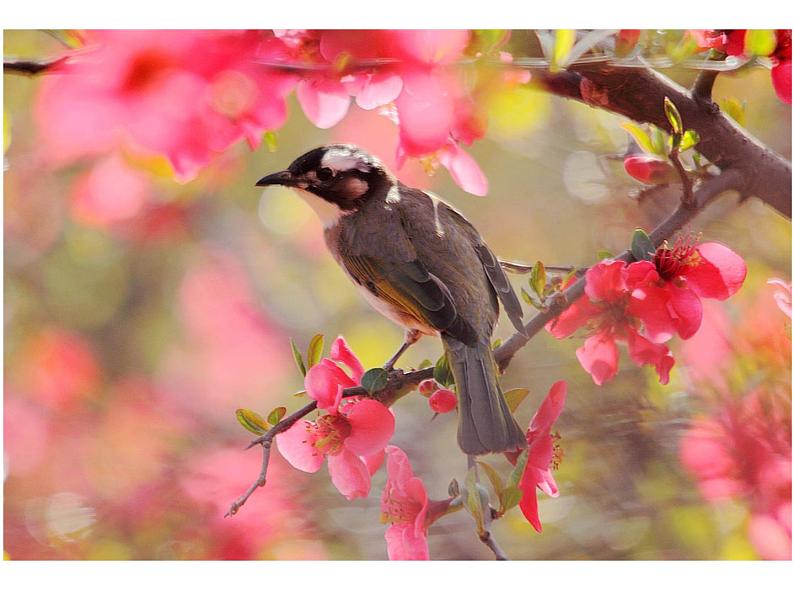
(605, 312)
(781, 66)
(146, 91)
(351, 436)
(404, 504)
(686, 274)
(443, 401)
(542, 454)
(649, 169)
(326, 380)
(782, 296)
(744, 451)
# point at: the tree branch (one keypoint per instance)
(639, 95)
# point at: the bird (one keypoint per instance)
(422, 264)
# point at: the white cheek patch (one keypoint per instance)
(329, 213)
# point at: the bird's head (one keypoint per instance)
(335, 180)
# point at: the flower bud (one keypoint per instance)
(427, 387)
(443, 401)
(649, 169)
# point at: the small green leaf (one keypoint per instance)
(537, 279)
(760, 42)
(673, 116)
(526, 297)
(658, 140)
(518, 471)
(251, 421)
(496, 343)
(734, 108)
(442, 373)
(276, 415)
(563, 43)
(689, 139)
(604, 254)
(510, 497)
(473, 501)
(271, 141)
(639, 134)
(514, 397)
(425, 363)
(315, 352)
(296, 354)
(642, 249)
(493, 476)
(374, 380)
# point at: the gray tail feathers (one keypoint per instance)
(485, 422)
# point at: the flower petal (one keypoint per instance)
(349, 474)
(323, 382)
(719, 274)
(642, 351)
(371, 427)
(574, 317)
(550, 408)
(599, 357)
(296, 447)
(324, 101)
(606, 281)
(403, 543)
(649, 303)
(464, 170)
(378, 90)
(529, 500)
(688, 311)
(341, 352)
(781, 81)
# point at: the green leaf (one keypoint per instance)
(493, 476)
(604, 254)
(425, 363)
(563, 43)
(734, 108)
(374, 380)
(315, 351)
(510, 497)
(271, 141)
(642, 249)
(760, 42)
(296, 354)
(276, 415)
(673, 116)
(473, 500)
(658, 141)
(251, 421)
(518, 471)
(537, 279)
(639, 135)
(689, 140)
(526, 297)
(496, 343)
(514, 397)
(442, 373)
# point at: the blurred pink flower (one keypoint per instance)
(352, 436)
(404, 505)
(686, 273)
(443, 401)
(24, 425)
(57, 368)
(110, 192)
(744, 451)
(781, 65)
(782, 296)
(605, 311)
(542, 455)
(147, 91)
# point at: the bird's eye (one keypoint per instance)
(325, 174)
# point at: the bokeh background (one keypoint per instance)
(140, 313)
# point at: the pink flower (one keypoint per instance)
(605, 311)
(443, 401)
(351, 435)
(404, 504)
(782, 296)
(146, 91)
(781, 68)
(744, 451)
(671, 302)
(542, 454)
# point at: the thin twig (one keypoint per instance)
(489, 541)
(30, 67)
(686, 181)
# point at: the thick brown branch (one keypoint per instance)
(639, 95)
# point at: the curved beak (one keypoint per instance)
(284, 178)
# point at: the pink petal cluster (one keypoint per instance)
(404, 505)
(187, 95)
(643, 304)
(649, 169)
(542, 454)
(744, 451)
(351, 434)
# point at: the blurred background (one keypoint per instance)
(140, 313)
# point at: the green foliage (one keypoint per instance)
(673, 117)
(374, 380)
(276, 415)
(442, 373)
(296, 355)
(315, 351)
(642, 249)
(251, 421)
(514, 397)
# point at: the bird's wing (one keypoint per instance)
(410, 288)
(493, 270)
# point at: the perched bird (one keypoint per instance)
(424, 266)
